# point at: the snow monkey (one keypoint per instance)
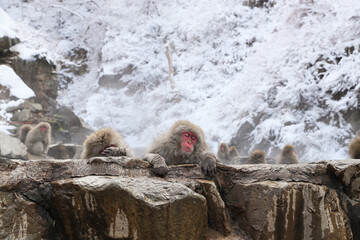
(288, 155)
(354, 147)
(23, 131)
(233, 153)
(105, 142)
(223, 153)
(256, 157)
(38, 139)
(183, 143)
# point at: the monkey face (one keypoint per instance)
(188, 140)
(43, 128)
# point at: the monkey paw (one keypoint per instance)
(114, 152)
(161, 171)
(208, 165)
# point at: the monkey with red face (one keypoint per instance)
(223, 153)
(184, 143)
(38, 139)
(288, 155)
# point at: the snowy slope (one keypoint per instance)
(233, 64)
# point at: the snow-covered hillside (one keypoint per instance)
(277, 68)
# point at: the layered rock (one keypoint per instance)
(120, 198)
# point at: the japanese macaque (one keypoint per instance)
(288, 155)
(184, 143)
(354, 147)
(105, 142)
(23, 131)
(233, 153)
(223, 153)
(256, 157)
(38, 139)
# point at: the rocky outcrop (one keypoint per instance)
(39, 74)
(128, 208)
(120, 198)
(7, 42)
(11, 147)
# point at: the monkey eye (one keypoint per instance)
(187, 135)
(193, 138)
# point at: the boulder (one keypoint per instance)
(62, 151)
(11, 147)
(24, 115)
(23, 219)
(38, 74)
(97, 207)
(282, 210)
(7, 42)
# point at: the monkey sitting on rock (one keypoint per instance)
(354, 147)
(257, 157)
(105, 142)
(184, 143)
(288, 155)
(223, 153)
(37, 139)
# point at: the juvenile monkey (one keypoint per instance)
(38, 139)
(183, 143)
(256, 157)
(105, 142)
(233, 153)
(354, 147)
(23, 131)
(223, 153)
(288, 155)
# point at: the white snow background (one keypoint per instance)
(232, 64)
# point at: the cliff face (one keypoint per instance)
(120, 198)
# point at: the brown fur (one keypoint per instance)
(233, 153)
(23, 131)
(102, 138)
(223, 153)
(257, 157)
(37, 142)
(288, 156)
(354, 147)
(166, 150)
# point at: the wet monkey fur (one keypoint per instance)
(183, 143)
(288, 155)
(38, 139)
(105, 142)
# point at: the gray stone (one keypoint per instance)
(128, 208)
(11, 147)
(24, 115)
(7, 42)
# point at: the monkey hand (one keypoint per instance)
(159, 166)
(208, 164)
(114, 152)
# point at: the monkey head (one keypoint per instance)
(188, 140)
(44, 127)
(289, 149)
(223, 147)
(233, 152)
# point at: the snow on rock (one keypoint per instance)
(7, 25)
(11, 80)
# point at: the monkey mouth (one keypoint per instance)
(187, 149)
